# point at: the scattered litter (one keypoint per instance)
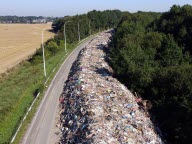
(97, 108)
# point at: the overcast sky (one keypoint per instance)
(72, 7)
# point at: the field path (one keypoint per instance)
(19, 41)
(42, 128)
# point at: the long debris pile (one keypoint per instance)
(97, 108)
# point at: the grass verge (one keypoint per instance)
(18, 89)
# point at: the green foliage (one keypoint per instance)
(52, 47)
(20, 86)
(171, 94)
(150, 54)
(178, 22)
(169, 54)
(96, 19)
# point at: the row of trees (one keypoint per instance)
(24, 19)
(97, 19)
(151, 55)
(89, 23)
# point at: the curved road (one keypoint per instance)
(40, 129)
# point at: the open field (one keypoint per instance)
(19, 41)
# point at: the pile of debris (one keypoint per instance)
(97, 108)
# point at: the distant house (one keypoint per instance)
(10, 21)
(4, 22)
(32, 19)
(39, 21)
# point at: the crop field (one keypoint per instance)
(19, 41)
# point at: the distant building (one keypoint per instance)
(4, 22)
(39, 21)
(26, 20)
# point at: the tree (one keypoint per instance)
(170, 54)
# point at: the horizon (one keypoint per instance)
(60, 8)
(75, 14)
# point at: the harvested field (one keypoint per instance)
(19, 41)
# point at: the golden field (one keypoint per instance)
(19, 41)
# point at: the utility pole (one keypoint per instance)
(79, 31)
(90, 26)
(42, 44)
(65, 35)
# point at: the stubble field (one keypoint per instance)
(19, 41)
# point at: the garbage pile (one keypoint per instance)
(97, 108)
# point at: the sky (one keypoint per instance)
(60, 8)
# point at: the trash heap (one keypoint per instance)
(97, 108)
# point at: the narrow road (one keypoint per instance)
(39, 130)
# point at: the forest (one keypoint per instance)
(151, 54)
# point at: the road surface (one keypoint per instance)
(41, 128)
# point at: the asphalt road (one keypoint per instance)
(39, 131)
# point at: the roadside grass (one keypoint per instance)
(18, 90)
(38, 101)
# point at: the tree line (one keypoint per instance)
(89, 23)
(151, 54)
(24, 19)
